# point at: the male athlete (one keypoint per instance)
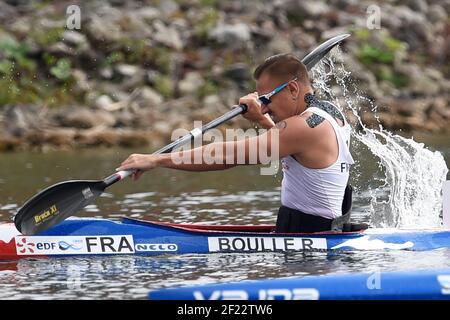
(312, 140)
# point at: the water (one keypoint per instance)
(396, 184)
(239, 195)
(412, 173)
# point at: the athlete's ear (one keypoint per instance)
(294, 89)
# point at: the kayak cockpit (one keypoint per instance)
(203, 227)
(266, 229)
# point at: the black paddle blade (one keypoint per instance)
(318, 53)
(56, 203)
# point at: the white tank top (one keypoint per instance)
(318, 192)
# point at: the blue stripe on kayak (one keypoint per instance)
(421, 284)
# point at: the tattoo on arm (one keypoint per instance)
(314, 120)
(281, 125)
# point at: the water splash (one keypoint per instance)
(406, 189)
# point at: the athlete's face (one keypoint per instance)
(283, 104)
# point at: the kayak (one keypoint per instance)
(91, 236)
(418, 284)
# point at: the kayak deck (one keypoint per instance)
(88, 236)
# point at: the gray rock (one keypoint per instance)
(148, 14)
(238, 72)
(436, 13)
(446, 5)
(104, 102)
(230, 95)
(47, 23)
(75, 38)
(18, 2)
(117, 2)
(60, 137)
(127, 70)
(21, 26)
(84, 118)
(97, 136)
(81, 81)
(125, 118)
(101, 29)
(203, 58)
(302, 40)
(213, 104)
(149, 97)
(130, 75)
(420, 82)
(279, 44)
(233, 35)
(21, 119)
(162, 127)
(313, 8)
(344, 4)
(168, 7)
(151, 76)
(106, 73)
(6, 11)
(409, 26)
(191, 82)
(60, 49)
(137, 27)
(418, 5)
(168, 36)
(263, 33)
(306, 9)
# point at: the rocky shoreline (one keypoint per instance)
(136, 70)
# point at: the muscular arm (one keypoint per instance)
(287, 137)
(185, 160)
(281, 140)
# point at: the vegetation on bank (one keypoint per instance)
(139, 61)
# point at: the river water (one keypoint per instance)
(236, 196)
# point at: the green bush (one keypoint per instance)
(161, 59)
(369, 54)
(164, 86)
(16, 53)
(210, 87)
(45, 38)
(380, 59)
(207, 21)
(386, 74)
(62, 70)
(22, 82)
(112, 59)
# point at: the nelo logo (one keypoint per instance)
(156, 247)
(23, 246)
